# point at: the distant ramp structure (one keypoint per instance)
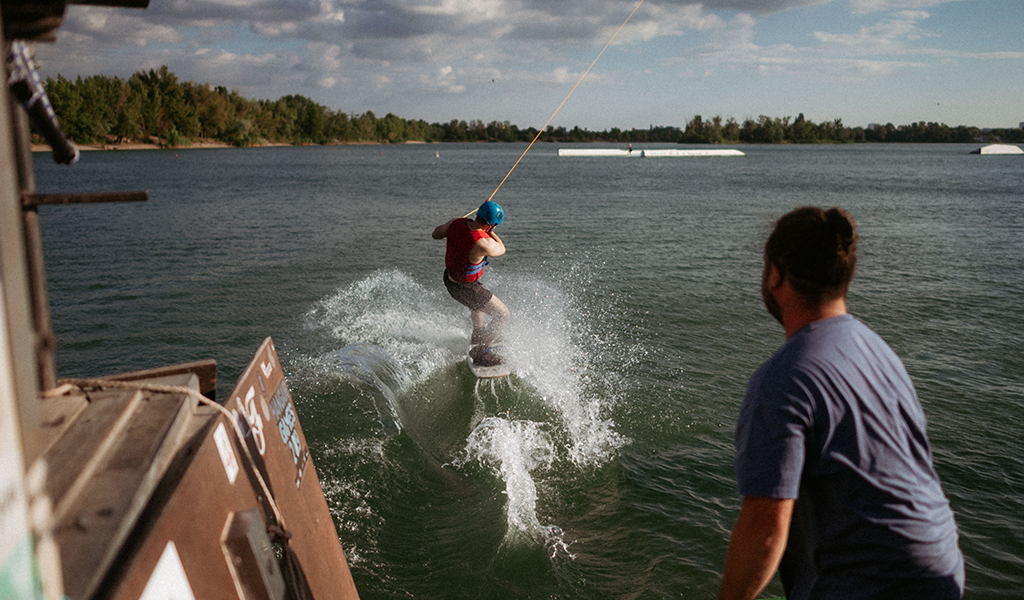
(596, 152)
(646, 153)
(716, 152)
(998, 149)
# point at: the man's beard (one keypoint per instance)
(770, 302)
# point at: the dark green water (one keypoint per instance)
(603, 467)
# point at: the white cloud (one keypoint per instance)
(416, 53)
(446, 78)
(862, 7)
(193, 12)
(241, 69)
(886, 37)
(116, 28)
(995, 55)
(760, 6)
(837, 56)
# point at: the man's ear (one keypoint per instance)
(774, 279)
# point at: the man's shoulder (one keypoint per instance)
(820, 338)
(842, 348)
(810, 349)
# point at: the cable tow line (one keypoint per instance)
(564, 101)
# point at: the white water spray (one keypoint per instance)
(550, 346)
(516, 451)
(390, 310)
(397, 333)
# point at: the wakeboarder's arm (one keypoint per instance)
(495, 247)
(441, 231)
(756, 546)
(484, 247)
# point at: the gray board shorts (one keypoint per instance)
(472, 294)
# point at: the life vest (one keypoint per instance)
(461, 240)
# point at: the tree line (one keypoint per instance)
(768, 130)
(155, 107)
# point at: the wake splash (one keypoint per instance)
(516, 450)
(553, 346)
(549, 419)
(393, 334)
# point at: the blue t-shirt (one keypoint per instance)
(832, 420)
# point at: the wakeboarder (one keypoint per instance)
(470, 242)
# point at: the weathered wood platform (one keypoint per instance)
(152, 490)
(105, 452)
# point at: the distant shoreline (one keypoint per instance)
(148, 146)
(205, 143)
(201, 143)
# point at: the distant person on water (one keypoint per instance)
(832, 456)
(470, 243)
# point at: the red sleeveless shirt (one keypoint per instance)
(461, 240)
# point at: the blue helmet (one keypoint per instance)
(491, 213)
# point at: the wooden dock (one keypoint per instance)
(152, 489)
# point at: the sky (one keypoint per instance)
(958, 62)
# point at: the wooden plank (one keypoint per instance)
(75, 455)
(205, 370)
(101, 507)
(57, 414)
(186, 512)
(46, 341)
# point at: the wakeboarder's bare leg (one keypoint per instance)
(485, 334)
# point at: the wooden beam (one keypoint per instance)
(205, 370)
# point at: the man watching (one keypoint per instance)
(832, 457)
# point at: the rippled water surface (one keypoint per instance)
(602, 468)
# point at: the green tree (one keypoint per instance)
(338, 127)
(67, 104)
(364, 128)
(391, 129)
(128, 116)
(803, 131)
(699, 131)
(731, 131)
(155, 104)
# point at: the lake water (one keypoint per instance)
(602, 468)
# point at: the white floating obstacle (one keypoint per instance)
(998, 149)
(645, 153)
(656, 153)
(595, 152)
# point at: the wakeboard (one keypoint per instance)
(501, 369)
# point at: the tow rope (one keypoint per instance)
(541, 131)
